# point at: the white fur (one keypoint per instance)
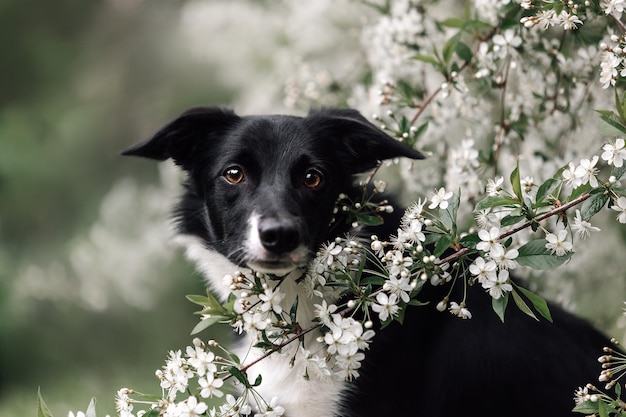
(299, 397)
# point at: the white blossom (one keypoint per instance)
(587, 171)
(620, 207)
(488, 239)
(482, 270)
(498, 285)
(460, 310)
(615, 154)
(612, 7)
(386, 306)
(581, 227)
(608, 68)
(440, 199)
(557, 243)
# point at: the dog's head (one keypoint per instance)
(262, 189)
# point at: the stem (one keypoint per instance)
(429, 99)
(425, 103)
(526, 225)
(277, 348)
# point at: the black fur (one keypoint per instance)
(432, 365)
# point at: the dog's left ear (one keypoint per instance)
(181, 138)
(361, 144)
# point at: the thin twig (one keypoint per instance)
(526, 225)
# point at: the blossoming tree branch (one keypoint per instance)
(518, 189)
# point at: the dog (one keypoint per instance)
(260, 194)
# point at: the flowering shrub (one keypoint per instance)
(498, 95)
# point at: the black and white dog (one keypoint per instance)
(260, 194)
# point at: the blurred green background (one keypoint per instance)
(80, 81)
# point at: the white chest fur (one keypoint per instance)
(315, 396)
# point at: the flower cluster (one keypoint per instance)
(345, 341)
(187, 381)
(179, 370)
(593, 400)
(547, 15)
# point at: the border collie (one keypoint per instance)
(260, 194)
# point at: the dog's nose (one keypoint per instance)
(278, 236)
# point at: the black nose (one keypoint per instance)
(278, 236)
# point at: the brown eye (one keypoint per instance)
(234, 175)
(312, 178)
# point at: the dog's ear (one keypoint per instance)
(361, 144)
(180, 139)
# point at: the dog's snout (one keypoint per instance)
(279, 236)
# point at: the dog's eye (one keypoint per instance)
(313, 178)
(234, 175)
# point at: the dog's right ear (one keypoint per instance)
(361, 144)
(180, 139)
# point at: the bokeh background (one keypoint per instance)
(91, 292)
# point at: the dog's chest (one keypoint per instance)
(299, 389)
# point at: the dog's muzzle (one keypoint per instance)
(275, 245)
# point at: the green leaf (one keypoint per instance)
(428, 59)
(207, 301)
(495, 201)
(499, 305)
(592, 205)
(372, 280)
(369, 220)
(535, 255)
(470, 241)
(511, 220)
(442, 245)
(619, 106)
(612, 126)
(417, 303)
(198, 299)
(421, 129)
(450, 47)
(453, 22)
(241, 376)
(387, 322)
(464, 52)
(42, 408)
(472, 25)
(604, 409)
(578, 191)
(155, 412)
(539, 303)
(618, 172)
(293, 311)
(587, 407)
(516, 182)
(521, 304)
(235, 358)
(547, 189)
(206, 323)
